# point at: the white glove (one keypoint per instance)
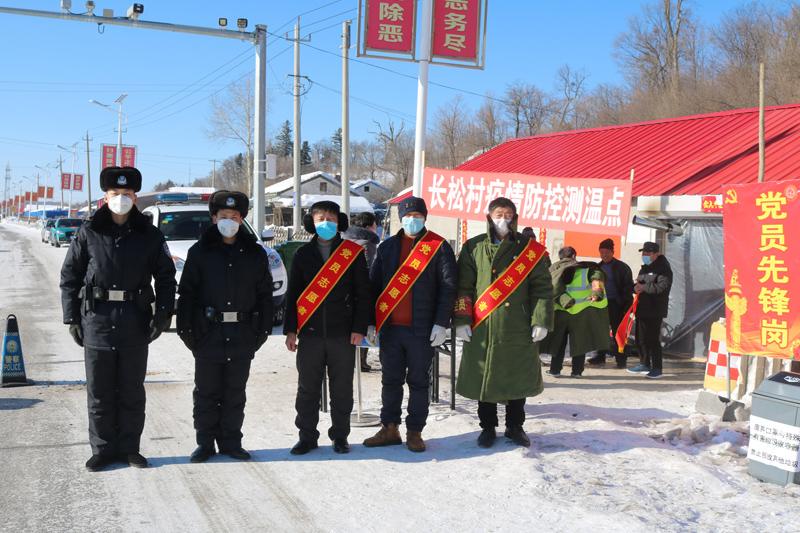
(464, 333)
(538, 333)
(438, 335)
(372, 335)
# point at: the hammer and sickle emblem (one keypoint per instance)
(731, 197)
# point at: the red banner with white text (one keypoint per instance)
(587, 205)
(66, 181)
(762, 268)
(77, 182)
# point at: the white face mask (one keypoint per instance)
(501, 226)
(227, 227)
(120, 205)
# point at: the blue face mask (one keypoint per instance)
(326, 230)
(646, 259)
(413, 225)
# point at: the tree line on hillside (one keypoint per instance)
(672, 64)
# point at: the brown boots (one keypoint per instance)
(388, 435)
(414, 441)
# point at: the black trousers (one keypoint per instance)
(615, 315)
(314, 355)
(648, 341)
(115, 399)
(219, 399)
(405, 358)
(515, 413)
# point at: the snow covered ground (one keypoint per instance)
(611, 452)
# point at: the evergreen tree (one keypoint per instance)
(305, 154)
(284, 141)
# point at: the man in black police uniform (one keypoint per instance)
(224, 316)
(107, 301)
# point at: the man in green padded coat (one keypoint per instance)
(504, 307)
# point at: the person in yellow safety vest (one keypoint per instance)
(581, 314)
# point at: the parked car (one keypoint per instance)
(64, 230)
(183, 222)
(45, 232)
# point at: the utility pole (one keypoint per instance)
(298, 183)
(345, 176)
(61, 177)
(6, 189)
(422, 95)
(213, 172)
(88, 177)
(72, 181)
(260, 128)
(761, 144)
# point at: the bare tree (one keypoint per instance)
(490, 127)
(527, 108)
(232, 118)
(451, 130)
(570, 85)
(398, 152)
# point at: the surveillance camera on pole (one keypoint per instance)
(66, 5)
(89, 7)
(135, 10)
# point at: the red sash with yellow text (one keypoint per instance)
(507, 282)
(326, 279)
(409, 272)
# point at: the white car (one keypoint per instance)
(183, 222)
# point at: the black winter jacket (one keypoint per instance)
(623, 281)
(223, 277)
(348, 307)
(114, 257)
(656, 278)
(432, 296)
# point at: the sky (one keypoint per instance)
(50, 69)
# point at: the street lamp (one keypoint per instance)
(46, 170)
(119, 100)
(74, 150)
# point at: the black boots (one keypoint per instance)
(487, 438)
(97, 463)
(341, 445)
(303, 447)
(201, 454)
(518, 436)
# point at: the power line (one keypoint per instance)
(279, 28)
(373, 105)
(398, 73)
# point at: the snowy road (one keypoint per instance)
(596, 463)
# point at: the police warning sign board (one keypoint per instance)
(13, 368)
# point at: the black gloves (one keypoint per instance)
(261, 339)
(77, 334)
(187, 337)
(159, 324)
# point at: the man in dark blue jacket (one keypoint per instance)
(417, 322)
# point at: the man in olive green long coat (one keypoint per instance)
(500, 359)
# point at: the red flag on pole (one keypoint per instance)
(77, 182)
(50, 192)
(66, 181)
(626, 326)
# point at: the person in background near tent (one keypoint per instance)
(414, 284)
(504, 307)
(328, 309)
(363, 231)
(224, 316)
(529, 233)
(652, 285)
(107, 301)
(619, 293)
(580, 312)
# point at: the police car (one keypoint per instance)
(183, 218)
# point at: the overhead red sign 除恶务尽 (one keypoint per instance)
(456, 29)
(389, 26)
